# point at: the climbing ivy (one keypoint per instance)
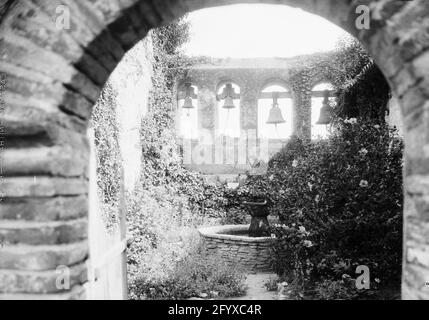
(361, 89)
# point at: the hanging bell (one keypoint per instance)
(188, 103)
(229, 103)
(275, 116)
(326, 112)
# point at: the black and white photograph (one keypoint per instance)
(214, 157)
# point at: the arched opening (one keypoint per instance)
(271, 123)
(228, 110)
(47, 104)
(321, 95)
(188, 111)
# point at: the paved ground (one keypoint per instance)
(256, 289)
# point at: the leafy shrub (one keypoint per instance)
(108, 156)
(335, 290)
(346, 192)
(272, 284)
(235, 215)
(196, 275)
(292, 252)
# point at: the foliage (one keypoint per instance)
(108, 157)
(235, 215)
(339, 203)
(292, 252)
(272, 284)
(364, 92)
(161, 152)
(361, 88)
(335, 290)
(170, 201)
(350, 58)
(196, 275)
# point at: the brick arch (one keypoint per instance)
(54, 77)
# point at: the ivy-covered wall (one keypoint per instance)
(116, 122)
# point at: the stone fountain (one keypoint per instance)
(244, 246)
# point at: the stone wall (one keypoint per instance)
(248, 254)
(234, 155)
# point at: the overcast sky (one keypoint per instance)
(254, 30)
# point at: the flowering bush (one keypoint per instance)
(335, 290)
(346, 192)
(292, 252)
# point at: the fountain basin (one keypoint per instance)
(237, 248)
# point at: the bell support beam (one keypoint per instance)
(280, 95)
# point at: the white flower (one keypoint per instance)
(214, 293)
(317, 198)
(363, 152)
(302, 229)
(377, 126)
(363, 184)
(377, 280)
(308, 243)
(351, 121)
(295, 163)
(204, 295)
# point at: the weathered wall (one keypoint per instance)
(236, 155)
(128, 91)
(132, 81)
(395, 116)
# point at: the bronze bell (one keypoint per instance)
(326, 111)
(275, 116)
(229, 103)
(188, 103)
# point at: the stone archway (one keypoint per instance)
(54, 76)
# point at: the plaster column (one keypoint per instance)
(249, 120)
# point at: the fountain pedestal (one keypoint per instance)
(259, 226)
